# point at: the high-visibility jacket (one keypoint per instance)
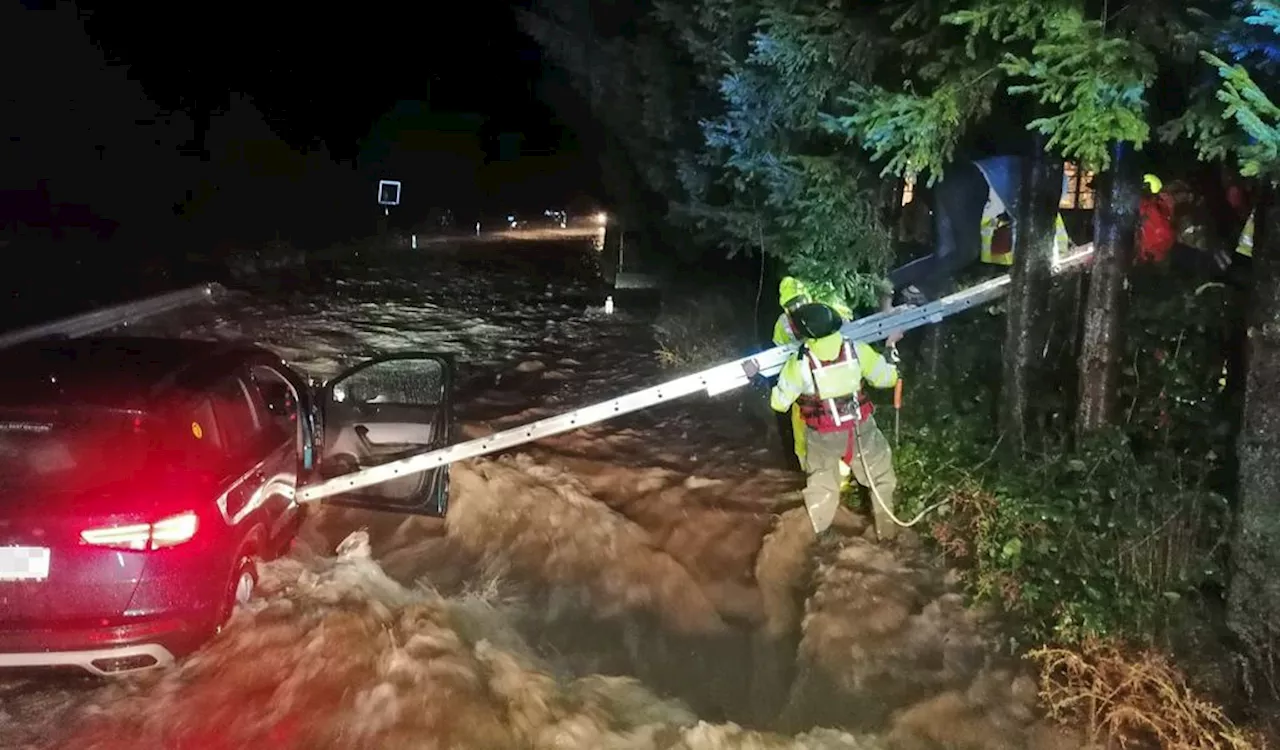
(789, 288)
(825, 377)
(1002, 254)
(783, 334)
(1245, 245)
(830, 408)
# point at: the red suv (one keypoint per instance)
(142, 479)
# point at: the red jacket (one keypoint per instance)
(1155, 228)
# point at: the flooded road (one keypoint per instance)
(646, 583)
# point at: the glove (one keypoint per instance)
(752, 369)
(913, 297)
(894, 358)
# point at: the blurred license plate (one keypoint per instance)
(24, 563)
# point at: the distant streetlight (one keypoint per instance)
(602, 218)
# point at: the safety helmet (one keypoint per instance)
(1153, 183)
(792, 293)
(814, 320)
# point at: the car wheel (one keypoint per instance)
(239, 591)
(243, 583)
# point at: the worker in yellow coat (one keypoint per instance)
(792, 295)
(998, 250)
(824, 378)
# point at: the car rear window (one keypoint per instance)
(82, 446)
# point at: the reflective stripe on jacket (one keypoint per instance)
(1061, 241)
(829, 389)
(988, 229)
(783, 334)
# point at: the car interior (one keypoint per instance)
(383, 414)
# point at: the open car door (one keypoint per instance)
(382, 410)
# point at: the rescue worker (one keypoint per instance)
(997, 251)
(1209, 212)
(996, 233)
(971, 224)
(824, 378)
(1155, 229)
(792, 295)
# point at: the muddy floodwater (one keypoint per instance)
(645, 583)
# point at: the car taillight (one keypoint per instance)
(167, 532)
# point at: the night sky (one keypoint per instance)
(329, 74)
(278, 113)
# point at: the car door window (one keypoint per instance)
(239, 424)
(384, 410)
(277, 401)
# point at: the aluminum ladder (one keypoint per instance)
(713, 381)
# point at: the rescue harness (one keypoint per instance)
(838, 399)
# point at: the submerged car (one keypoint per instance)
(143, 479)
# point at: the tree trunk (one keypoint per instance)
(1115, 221)
(1073, 340)
(1253, 601)
(1027, 305)
(932, 389)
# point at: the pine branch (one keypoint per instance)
(1256, 115)
(1093, 84)
(918, 133)
(1238, 119)
(1096, 83)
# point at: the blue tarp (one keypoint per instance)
(1004, 175)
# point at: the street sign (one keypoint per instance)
(388, 192)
